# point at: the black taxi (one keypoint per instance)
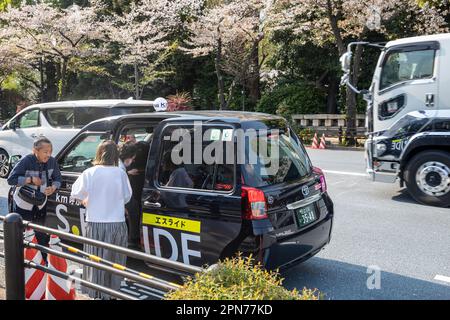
(213, 184)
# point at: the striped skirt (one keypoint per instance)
(113, 233)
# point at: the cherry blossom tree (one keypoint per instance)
(40, 31)
(343, 21)
(143, 32)
(231, 33)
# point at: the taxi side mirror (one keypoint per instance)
(13, 160)
(13, 125)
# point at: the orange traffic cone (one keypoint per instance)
(35, 280)
(315, 144)
(322, 142)
(58, 288)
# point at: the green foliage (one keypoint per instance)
(12, 82)
(294, 98)
(306, 135)
(5, 3)
(239, 279)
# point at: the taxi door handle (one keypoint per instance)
(152, 204)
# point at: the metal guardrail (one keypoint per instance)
(15, 263)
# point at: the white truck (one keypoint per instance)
(408, 115)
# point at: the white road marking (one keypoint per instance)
(346, 173)
(442, 278)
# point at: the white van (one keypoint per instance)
(59, 122)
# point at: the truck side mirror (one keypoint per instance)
(345, 60)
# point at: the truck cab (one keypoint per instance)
(407, 101)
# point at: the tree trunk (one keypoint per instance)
(350, 95)
(63, 81)
(352, 103)
(333, 91)
(50, 88)
(335, 28)
(136, 82)
(254, 81)
(230, 93)
(220, 83)
(351, 117)
(41, 82)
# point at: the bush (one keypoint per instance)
(238, 279)
(293, 98)
(306, 135)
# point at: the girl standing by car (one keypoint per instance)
(104, 190)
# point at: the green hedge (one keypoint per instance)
(294, 98)
(239, 279)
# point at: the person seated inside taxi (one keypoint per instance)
(179, 176)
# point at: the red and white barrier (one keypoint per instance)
(315, 143)
(35, 280)
(322, 142)
(58, 288)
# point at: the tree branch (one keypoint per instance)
(34, 82)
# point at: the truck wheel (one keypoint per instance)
(4, 164)
(427, 178)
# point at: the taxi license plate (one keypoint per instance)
(306, 215)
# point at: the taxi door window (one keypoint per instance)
(198, 172)
(80, 157)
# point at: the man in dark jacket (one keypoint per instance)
(40, 171)
(136, 175)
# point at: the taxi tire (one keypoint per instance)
(4, 164)
(410, 177)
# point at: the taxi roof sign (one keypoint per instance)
(160, 104)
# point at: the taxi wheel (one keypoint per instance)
(427, 178)
(4, 164)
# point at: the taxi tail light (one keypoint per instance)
(323, 182)
(254, 204)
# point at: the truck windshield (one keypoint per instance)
(403, 66)
(288, 163)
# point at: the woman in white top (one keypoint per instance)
(104, 190)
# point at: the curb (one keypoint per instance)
(339, 148)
